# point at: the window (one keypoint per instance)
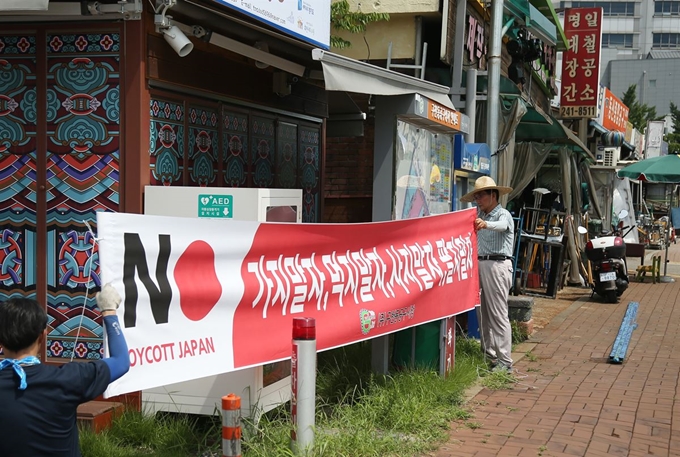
(667, 8)
(617, 40)
(609, 8)
(666, 40)
(652, 83)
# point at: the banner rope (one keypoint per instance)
(95, 240)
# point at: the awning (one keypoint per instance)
(536, 124)
(601, 130)
(540, 19)
(532, 129)
(350, 75)
(548, 10)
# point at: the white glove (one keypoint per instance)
(108, 299)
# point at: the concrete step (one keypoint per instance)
(98, 415)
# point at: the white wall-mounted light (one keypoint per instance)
(259, 53)
(177, 40)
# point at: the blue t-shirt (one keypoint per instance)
(41, 420)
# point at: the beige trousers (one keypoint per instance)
(495, 280)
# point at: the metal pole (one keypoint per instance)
(666, 278)
(494, 89)
(471, 103)
(458, 47)
(303, 384)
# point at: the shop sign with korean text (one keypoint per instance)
(440, 114)
(581, 63)
(213, 296)
(308, 20)
(475, 42)
(614, 112)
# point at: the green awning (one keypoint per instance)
(540, 19)
(547, 9)
(536, 124)
(535, 127)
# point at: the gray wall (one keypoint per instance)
(658, 81)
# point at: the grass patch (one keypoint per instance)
(136, 434)
(519, 333)
(358, 414)
(498, 380)
(530, 356)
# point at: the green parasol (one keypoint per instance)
(662, 169)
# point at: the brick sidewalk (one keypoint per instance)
(572, 402)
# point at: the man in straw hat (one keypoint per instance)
(495, 228)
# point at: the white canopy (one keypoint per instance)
(350, 75)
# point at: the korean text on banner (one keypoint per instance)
(581, 63)
(614, 113)
(207, 298)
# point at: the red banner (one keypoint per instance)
(206, 297)
(358, 281)
(614, 113)
(581, 63)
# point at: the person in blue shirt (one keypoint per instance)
(38, 402)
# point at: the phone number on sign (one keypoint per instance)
(578, 111)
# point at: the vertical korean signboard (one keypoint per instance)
(614, 113)
(581, 63)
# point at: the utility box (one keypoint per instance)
(260, 388)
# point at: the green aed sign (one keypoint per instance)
(215, 206)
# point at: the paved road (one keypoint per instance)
(571, 401)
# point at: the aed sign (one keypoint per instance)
(218, 206)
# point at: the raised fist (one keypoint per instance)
(108, 299)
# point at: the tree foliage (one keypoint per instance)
(674, 138)
(638, 113)
(352, 21)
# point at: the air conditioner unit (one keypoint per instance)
(610, 158)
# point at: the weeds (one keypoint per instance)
(497, 380)
(519, 332)
(530, 356)
(358, 414)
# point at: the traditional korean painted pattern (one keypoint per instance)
(234, 148)
(203, 147)
(286, 155)
(82, 172)
(309, 173)
(18, 165)
(166, 143)
(263, 152)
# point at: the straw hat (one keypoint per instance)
(485, 183)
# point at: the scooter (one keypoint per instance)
(607, 256)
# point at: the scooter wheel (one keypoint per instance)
(610, 296)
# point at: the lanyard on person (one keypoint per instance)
(18, 369)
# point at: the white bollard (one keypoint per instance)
(303, 384)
